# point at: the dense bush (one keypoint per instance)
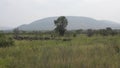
(5, 42)
(90, 32)
(74, 35)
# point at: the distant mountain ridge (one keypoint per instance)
(74, 22)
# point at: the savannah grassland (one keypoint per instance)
(80, 52)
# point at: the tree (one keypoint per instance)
(103, 32)
(61, 24)
(109, 30)
(90, 32)
(80, 31)
(16, 32)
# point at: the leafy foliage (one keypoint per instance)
(90, 32)
(61, 24)
(16, 32)
(5, 42)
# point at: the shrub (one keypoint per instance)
(74, 35)
(5, 42)
(90, 32)
(103, 32)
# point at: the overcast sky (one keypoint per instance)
(16, 12)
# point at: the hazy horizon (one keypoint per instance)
(14, 13)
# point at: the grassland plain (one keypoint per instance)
(80, 52)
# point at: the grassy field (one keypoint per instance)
(80, 52)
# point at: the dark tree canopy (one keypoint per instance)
(16, 32)
(61, 24)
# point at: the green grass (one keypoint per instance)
(80, 52)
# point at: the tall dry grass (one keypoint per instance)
(81, 52)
